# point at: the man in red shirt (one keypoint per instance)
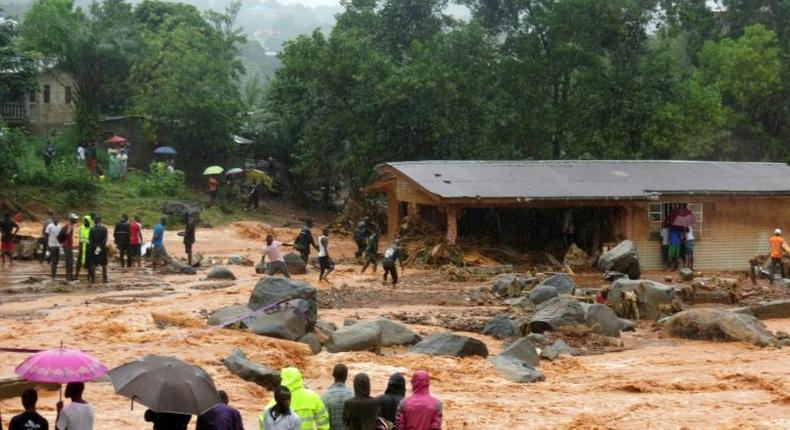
(135, 240)
(67, 234)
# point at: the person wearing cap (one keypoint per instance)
(778, 246)
(67, 234)
(392, 255)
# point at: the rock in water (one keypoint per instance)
(769, 310)
(556, 313)
(452, 345)
(650, 296)
(287, 322)
(313, 342)
(711, 324)
(395, 334)
(622, 258)
(295, 263)
(602, 320)
(561, 282)
(239, 365)
(361, 336)
(260, 268)
(175, 266)
(557, 349)
(226, 314)
(219, 272)
(542, 293)
(523, 350)
(271, 289)
(240, 260)
(516, 370)
(501, 327)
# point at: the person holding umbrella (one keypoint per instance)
(77, 415)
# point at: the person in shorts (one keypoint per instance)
(8, 229)
(276, 262)
(324, 261)
(136, 240)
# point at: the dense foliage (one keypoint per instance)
(541, 79)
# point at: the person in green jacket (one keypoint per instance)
(84, 260)
(305, 403)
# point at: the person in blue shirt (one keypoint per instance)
(158, 243)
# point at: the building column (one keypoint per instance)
(393, 212)
(452, 225)
(414, 214)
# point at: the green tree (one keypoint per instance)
(17, 67)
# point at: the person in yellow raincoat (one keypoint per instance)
(83, 260)
(305, 403)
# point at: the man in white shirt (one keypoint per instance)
(690, 247)
(52, 232)
(81, 154)
(271, 252)
(77, 415)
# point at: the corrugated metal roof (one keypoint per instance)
(593, 179)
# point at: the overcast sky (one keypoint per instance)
(312, 3)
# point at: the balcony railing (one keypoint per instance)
(10, 110)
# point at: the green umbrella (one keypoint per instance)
(213, 170)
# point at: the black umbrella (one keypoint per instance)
(166, 384)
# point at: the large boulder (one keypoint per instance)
(711, 324)
(287, 321)
(296, 266)
(239, 365)
(174, 266)
(452, 345)
(622, 258)
(516, 370)
(181, 208)
(395, 334)
(500, 327)
(555, 350)
(227, 315)
(556, 313)
(523, 350)
(542, 293)
(650, 297)
(219, 272)
(271, 289)
(361, 336)
(770, 310)
(602, 320)
(561, 282)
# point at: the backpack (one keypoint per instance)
(62, 236)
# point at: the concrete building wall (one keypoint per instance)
(46, 117)
(733, 230)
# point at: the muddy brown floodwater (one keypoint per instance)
(653, 382)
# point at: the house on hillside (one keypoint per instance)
(535, 204)
(47, 109)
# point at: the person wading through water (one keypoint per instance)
(305, 240)
(98, 250)
(83, 258)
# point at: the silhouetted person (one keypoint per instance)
(361, 411)
(122, 234)
(393, 395)
(189, 237)
(98, 250)
(220, 417)
(30, 419)
(167, 421)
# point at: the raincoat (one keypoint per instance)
(85, 235)
(305, 403)
(396, 391)
(420, 411)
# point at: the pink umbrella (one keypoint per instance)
(681, 217)
(60, 366)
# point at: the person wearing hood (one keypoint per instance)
(420, 411)
(83, 259)
(361, 411)
(393, 395)
(97, 246)
(305, 403)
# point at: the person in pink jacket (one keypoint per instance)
(420, 411)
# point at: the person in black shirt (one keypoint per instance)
(255, 196)
(305, 240)
(8, 229)
(360, 233)
(30, 419)
(390, 400)
(121, 236)
(167, 421)
(361, 411)
(392, 256)
(97, 246)
(189, 237)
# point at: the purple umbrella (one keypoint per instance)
(61, 366)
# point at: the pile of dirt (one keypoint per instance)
(252, 230)
(471, 321)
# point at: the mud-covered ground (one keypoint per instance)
(650, 382)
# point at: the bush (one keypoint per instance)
(161, 183)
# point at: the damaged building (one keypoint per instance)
(547, 205)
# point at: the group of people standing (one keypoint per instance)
(366, 236)
(296, 407)
(677, 246)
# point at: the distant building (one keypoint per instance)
(737, 205)
(48, 108)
